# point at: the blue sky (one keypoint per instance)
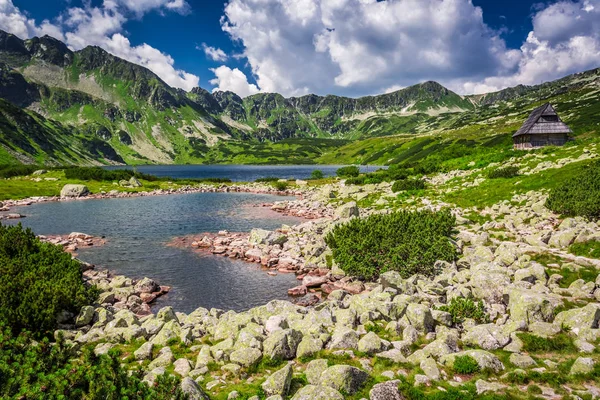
(345, 47)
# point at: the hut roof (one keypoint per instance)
(533, 125)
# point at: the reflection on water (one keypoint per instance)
(138, 229)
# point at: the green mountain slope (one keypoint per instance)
(89, 106)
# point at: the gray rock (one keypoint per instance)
(484, 386)
(347, 210)
(309, 346)
(192, 390)
(429, 367)
(583, 365)
(343, 338)
(146, 285)
(420, 317)
(279, 382)
(182, 366)
(166, 314)
(71, 190)
(164, 359)
(103, 348)
(386, 391)
(344, 378)
(370, 344)
(144, 352)
(86, 314)
(314, 369)
(580, 318)
(522, 360)
(313, 392)
(485, 360)
(282, 345)
(246, 357)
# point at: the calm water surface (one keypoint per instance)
(137, 230)
(244, 173)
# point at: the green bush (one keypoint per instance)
(101, 174)
(37, 281)
(407, 242)
(8, 171)
(357, 180)
(586, 249)
(267, 179)
(41, 370)
(580, 196)
(408, 184)
(466, 365)
(506, 172)
(281, 186)
(461, 308)
(348, 172)
(562, 342)
(317, 174)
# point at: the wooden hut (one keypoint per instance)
(543, 128)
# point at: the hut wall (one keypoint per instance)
(525, 142)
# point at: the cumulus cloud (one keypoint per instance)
(13, 20)
(103, 26)
(213, 53)
(360, 46)
(233, 80)
(565, 39)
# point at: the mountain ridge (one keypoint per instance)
(98, 96)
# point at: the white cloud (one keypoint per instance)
(16, 22)
(103, 26)
(233, 80)
(565, 39)
(214, 53)
(360, 46)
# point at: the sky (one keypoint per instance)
(343, 47)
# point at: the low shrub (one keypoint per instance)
(213, 180)
(506, 172)
(317, 174)
(9, 171)
(347, 172)
(586, 249)
(358, 180)
(579, 196)
(408, 184)
(461, 308)
(281, 186)
(37, 281)
(101, 174)
(407, 242)
(41, 370)
(466, 365)
(267, 179)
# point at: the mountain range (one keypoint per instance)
(59, 106)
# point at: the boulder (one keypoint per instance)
(309, 346)
(580, 318)
(190, 388)
(485, 360)
(420, 317)
(386, 391)
(146, 285)
(313, 392)
(282, 344)
(583, 365)
(279, 382)
(347, 210)
(246, 357)
(182, 366)
(531, 306)
(370, 344)
(487, 337)
(134, 182)
(72, 190)
(86, 314)
(343, 338)
(344, 378)
(144, 352)
(522, 360)
(314, 369)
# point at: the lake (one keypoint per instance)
(137, 230)
(238, 173)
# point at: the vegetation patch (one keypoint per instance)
(407, 242)
(461, 308)
(37, 281)
(579, 196)
(347, 172)
(408, 184)
(466, 365)
(590, 249)
(506, 172)
(562, 342)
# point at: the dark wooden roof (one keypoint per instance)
(533, 125)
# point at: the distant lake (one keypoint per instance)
(138, 229)
(243, 173)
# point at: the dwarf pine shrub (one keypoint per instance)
(408, 184)
(407, 242)
(461, 308)
(347, 172)
(465, 365)
(506, 172)
(37, 281)
(579, 196)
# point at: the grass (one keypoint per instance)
(560, 343)
(590, 249)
